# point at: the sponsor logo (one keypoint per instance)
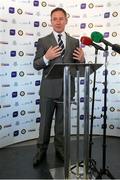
(83, 25)
(22, 93)
(21, 73)
(21, 53)
(22, 112)
(12, 32)
(44, 4)
(115, 14)
(11, 10)
(13, 74)
(103, 91)
(114, 34)
(37, 101)
(81, 117)
(83, 6)
(8, 125)
(19, 11)
(38, 119)
(111, 126)
(113, 72)
(113, 53)
(82, 81)
(15, 113)
(103, 108)
(36, 24)
(112, 91)
(12, 53)
(37, 83)
(82, 99)
(31, 130)
(14, 94)
(106, 34)
(107, 15)
(23, 131)
(35, 3)
(90, 25)
(20, 32)
(91, 5)
(16, 133)
(112, 109)
(44, 24)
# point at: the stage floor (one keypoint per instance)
(16, 160)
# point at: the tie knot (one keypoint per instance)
(59, 36)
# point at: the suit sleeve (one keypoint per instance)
(38, 62)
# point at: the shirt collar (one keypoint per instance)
(56, 34)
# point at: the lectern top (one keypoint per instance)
(57, 69)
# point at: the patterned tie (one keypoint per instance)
(60, 43)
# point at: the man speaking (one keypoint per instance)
(57, 47)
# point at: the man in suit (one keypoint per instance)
(57, 47)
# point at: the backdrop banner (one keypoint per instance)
(22, 22)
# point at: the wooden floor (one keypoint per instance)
(16, 161)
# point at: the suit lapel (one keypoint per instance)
(52, 39)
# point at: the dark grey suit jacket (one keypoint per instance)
(53, 88)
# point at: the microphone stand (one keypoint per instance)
(104, 170)
(92, 161)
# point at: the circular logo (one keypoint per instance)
(43, 4)
(21, 73)
(112, 91)
(114, 14)
(44, 24)
(113, 72)
(114, 34)
(23, 112)
(113, 53)
(20, 32)
(21, 53)
(90, 25)
(112, 109)
(91, 5)
(23, 131)
(19, 11)
(22, 93)
(111, 126)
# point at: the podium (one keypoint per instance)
(65, 70)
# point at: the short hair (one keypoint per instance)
(59, 9)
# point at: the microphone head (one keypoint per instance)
(86, 40)
(96, 37)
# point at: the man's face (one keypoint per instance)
(58, 21)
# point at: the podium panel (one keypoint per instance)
(65, 71)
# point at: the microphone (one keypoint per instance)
(98, 37)
(88, 41)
